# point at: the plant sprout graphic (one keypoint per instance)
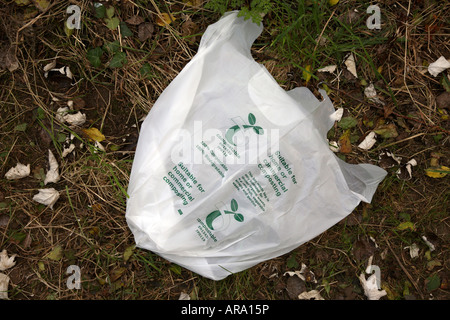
(215, 214)
(234, 129)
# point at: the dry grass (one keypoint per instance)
(88, 222)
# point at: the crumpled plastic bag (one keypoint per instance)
(231, 170)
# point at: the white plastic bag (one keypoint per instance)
(230, 169)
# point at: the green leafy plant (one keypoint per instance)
(111, 20)
(118, 58)
(255, 11)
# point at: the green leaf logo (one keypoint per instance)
(251, 120)
(234, 205)
(215, 214)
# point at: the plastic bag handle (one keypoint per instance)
(242, 33)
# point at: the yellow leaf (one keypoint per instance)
(56, 254)
(437, 172)
(94, 134)
(406, 225)
(344, 142)
(164, 18)
(333, 2)
(67, 30)
(307, 73)
(193, 3)
(42, 4)
(22, 2)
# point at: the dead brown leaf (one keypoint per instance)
(135, 20)
(8, 59)
(443, 100)
(145, 31)
(117, 273)
(295, 286)
(363, 249)
(344, 142)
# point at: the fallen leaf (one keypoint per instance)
(145, 31)
(428, 243)
(406, 225)
(351, 65)
(21, 127)
(128, 252)
(337, 115)
(188, 31)
(307, 73)
(8, 58)
(52, 175)
(438, 66)
(387, 130)
(56, 254)
(64, 70)
(47, 197)
(311, 295)
(363, 249)
(193, 3)
(433, 282)
(4, 219)
(135, 20)
(68, 150)
(432, 264)
(4, 281)
(5, 261)
(371, 93)
(50, 66)
(329, 69)
(94, 134)
(388, 160)
(413, 250)
(437, 172)
(22, 2)
(370, 287)
(117, 273)
(443, 100)
(18, 172)
(184, 296)
(294, 287)
(164, 18)
(42, 4)
(100, 146)
(75, 119)
(368, 141)
(304, 273)
(405, 171)
(345, 145)
(347, 123)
